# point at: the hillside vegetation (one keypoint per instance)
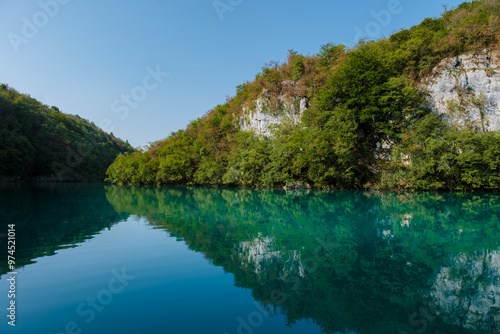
(367, 125)
(42, 143)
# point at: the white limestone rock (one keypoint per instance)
(261, 119)
(464, 87)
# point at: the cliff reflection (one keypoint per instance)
(466, 291)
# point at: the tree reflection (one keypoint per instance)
(49, 217)
(362, 261)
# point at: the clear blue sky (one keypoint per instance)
(84, 55)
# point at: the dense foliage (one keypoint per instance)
(42, 142)
(367, 125)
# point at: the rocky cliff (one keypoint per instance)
(465, 89)
(269, 111)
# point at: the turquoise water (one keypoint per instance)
(107, 259)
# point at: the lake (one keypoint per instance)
(96, 258)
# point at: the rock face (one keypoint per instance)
(467, 90)
(466, 292)
(262, 119)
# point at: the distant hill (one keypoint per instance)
(417, 110)
(42, 143)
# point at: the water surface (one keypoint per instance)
(108, 259)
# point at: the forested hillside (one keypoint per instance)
(367, 126)
(42, 143)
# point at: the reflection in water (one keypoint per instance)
(351, 261)
(50, 217)
(259, 254)
(466, 291)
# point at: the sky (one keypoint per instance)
(144, 69)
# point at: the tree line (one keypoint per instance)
(41, 142)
